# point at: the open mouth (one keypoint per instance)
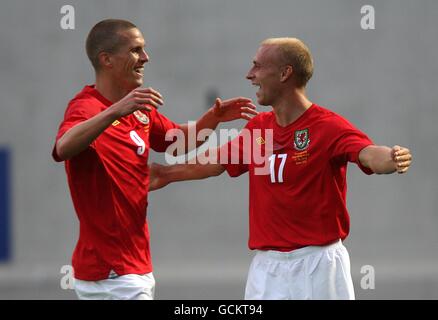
(258, 86)
(139, 70)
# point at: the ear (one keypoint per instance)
(286, 73)
(105, 60)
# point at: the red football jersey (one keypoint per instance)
(300, 199)
(109, 185)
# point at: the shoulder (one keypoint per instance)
(261, 120)
(331, 119)
(158, 120)
(87, 93)
(84, 102)
(155, 114)
(84, 96)
(325, 113)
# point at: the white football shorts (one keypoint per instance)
(126, 287)
(313, 272)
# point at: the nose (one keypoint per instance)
(250, 75)
(144, 56)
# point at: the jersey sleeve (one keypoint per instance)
(159, 127)
(235, 155)
(77, 112)
(348, 143)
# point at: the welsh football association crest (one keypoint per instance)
(301, 139)
(141, 117)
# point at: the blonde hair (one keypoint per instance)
(295, 53)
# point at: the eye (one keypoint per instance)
(137, 49)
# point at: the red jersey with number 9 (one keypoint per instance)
(300, 199)
(109, 185)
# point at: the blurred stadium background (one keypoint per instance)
(382, 80)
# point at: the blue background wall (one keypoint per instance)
(5, 228)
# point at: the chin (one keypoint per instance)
(260, 100)
(139, 82)
(136, 83)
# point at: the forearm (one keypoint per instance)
(83, 134)
(379, 159)
(207, 121)
(160, 175)
(183, 172)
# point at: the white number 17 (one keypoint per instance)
(283, 157)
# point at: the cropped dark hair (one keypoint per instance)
(106, 36)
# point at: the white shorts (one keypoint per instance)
(313, 272)
(126, 287)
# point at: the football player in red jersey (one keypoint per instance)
(297, 208)
(104, 140)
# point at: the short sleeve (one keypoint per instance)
(348, 143)
(159, 127)
(77, 112)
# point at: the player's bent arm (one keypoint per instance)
(184, 172)
(221, 111)
(384, 160)
(160, 175)
(79, 137)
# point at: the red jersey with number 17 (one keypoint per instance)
(300, 199)
(109, 185)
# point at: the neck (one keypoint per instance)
(290, 107)
(110, 89)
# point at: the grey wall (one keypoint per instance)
(382, 80)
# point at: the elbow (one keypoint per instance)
(61, 151)
(218, 170)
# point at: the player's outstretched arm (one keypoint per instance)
(160, 176)
(222, 111)
(382, 159)
(83, 134)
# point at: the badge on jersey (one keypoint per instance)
(301, 139)
(260, 141)
(141, 117)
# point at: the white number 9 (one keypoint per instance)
(138, 141)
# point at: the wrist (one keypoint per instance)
(213, 116)
(112, 113)
(385, 167)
